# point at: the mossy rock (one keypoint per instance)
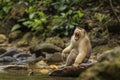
(107, 69)
(45, 47)
(25, 41)
(14, 35)
(3, 38)
(56, 41)
(36, 40)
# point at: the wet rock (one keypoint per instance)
(107, 68)
(2, 50)
(53, 67)
(44, 47)
(14, 35)
(1, 60)
(69, 71)
(109, 55)
(8, 59)
(10, 52)
(36, 52)
(48, 47)
(56, 41)
(56, 57)
(22, 56)
(14, 67)
(32, 60)
(41, 65)
(3, 38)
(44, 71)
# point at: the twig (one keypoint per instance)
(111, 5)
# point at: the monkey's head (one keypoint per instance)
(79, 33)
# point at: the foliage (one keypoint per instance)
(49, 17)
(62, 19)
(5, 6)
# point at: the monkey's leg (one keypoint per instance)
(71, 57)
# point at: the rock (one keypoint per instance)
(53, 67)
(44, 71)
(36, 52)
(32, 60)
(69, 71)
(14, 67)
(56, 57)
(113, 26)
(44, 47)
(98, 36)
(14, 35)
(22, 56)
(41, 65)
(107, 69)
(2, 50)
(8, 59)
(109, 55)
(25, 40)
(48, 47)
(10, 52)
(56, 41)
(1, 60)
(3, 38)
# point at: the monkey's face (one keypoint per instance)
(79, 33)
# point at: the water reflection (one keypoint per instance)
(23, 75)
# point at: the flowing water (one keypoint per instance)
(22, 75)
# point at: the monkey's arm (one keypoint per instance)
(81, 56)
(67, 49)
(82, 53)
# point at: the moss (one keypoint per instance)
(25, 40)
(108, 69)
(101, 48)
(56, 41)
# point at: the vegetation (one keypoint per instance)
(57, 16)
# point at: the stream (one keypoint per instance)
(23, 75)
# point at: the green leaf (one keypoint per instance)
(62, 7)
(80, 14)
(6, 9)
(66, 33)
(31, 15)
(27, 23)
(21, 20)
(71, 26)
(15, 27)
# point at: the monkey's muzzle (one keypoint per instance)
(77, 36)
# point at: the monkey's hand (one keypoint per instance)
(75, 66)
(63, 56)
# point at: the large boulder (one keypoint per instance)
(56, 57)
(107, 68)
(44, 47)
(56, 41)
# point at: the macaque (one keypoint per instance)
(79, 49)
